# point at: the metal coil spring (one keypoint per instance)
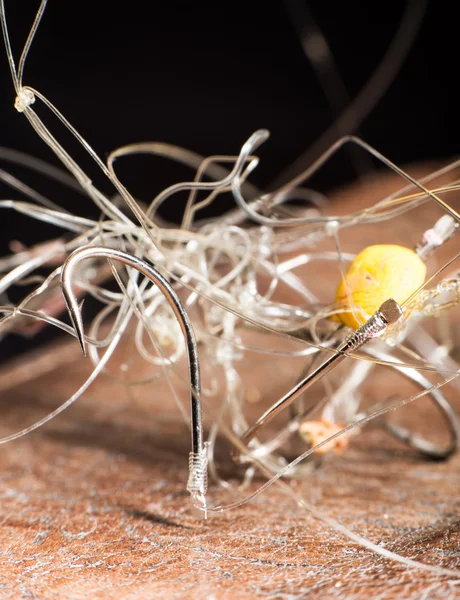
(372, 328)
(198, 472)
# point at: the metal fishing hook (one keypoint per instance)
(388, 313)
(412, 439)
(197, 482)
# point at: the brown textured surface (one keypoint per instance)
(93, 505)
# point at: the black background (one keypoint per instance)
(205, 76)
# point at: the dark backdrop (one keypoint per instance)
(206, 75)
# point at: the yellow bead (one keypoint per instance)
(315, 432)
(376, 274)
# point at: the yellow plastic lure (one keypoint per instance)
(378, 273)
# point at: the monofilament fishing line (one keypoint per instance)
(326, 300)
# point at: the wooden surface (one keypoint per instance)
(93, 505)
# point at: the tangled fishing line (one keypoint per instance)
(214, 292)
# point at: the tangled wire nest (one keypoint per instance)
(279, 277)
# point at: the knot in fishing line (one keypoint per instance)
(24, 99)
